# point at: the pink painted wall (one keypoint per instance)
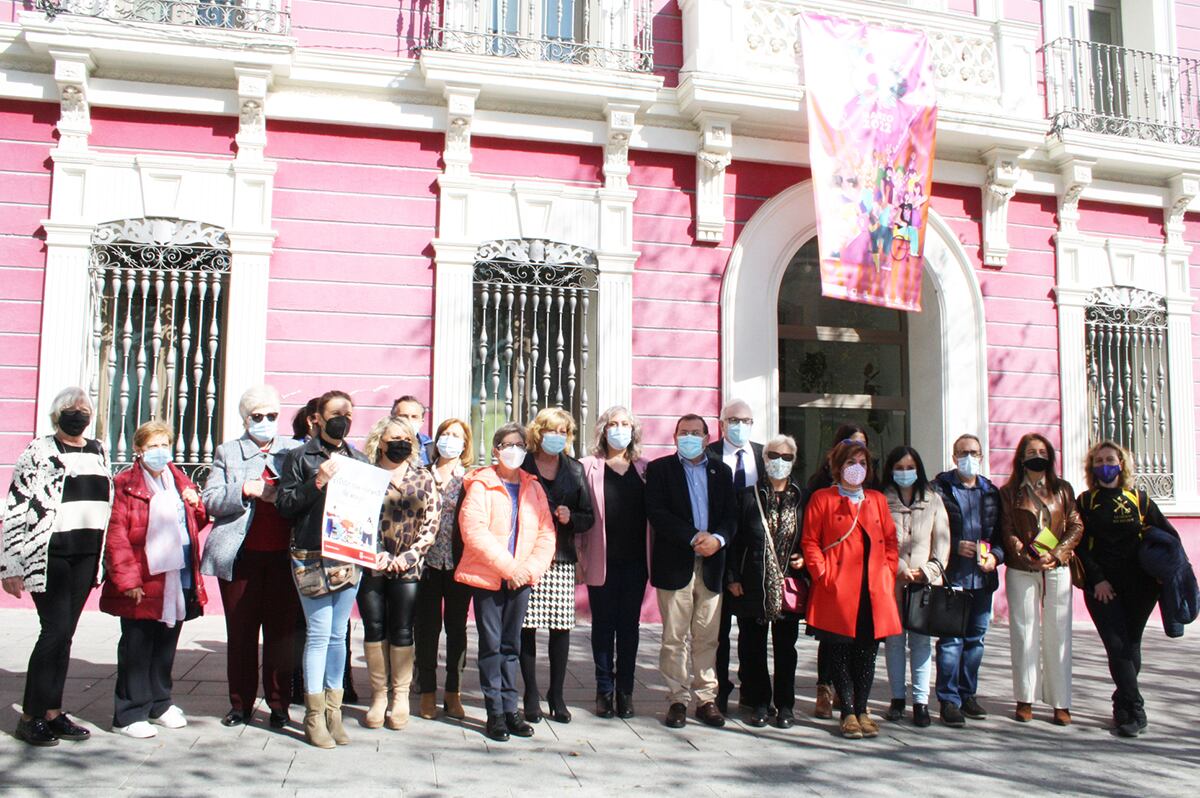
(350, 302)
(537, 160)
(26, 135)
(1187, 28)
(380, 27)
(668, 41)
(1023, 10)
(132, 131)
(962, 6)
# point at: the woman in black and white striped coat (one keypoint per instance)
(54, 523)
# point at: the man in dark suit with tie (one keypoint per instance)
(690, 504)
(745, 460)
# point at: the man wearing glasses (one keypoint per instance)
(745, 460)
(973, 506)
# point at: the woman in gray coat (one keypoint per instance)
(247, 551)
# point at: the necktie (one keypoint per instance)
(739, 474)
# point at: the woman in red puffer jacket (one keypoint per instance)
(152, 579)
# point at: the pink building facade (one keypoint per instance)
(353, 186)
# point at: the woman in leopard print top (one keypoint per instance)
(387, 599)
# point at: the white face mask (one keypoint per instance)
(449, 446)
(512, 457)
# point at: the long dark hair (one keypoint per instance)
(1018, 466)
(822, 477)
(300, 420)
(895, 456)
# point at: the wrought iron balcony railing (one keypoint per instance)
(251, 16)
(1102, 88)
(615, 34)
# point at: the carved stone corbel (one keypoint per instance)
(714, 155)
(1004, 171)
(1181, 190)
(460, 111)
(253, 85)
(616, 148)
(1076, 175)
(71, 71)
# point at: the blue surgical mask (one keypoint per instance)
(738, 433)
(1106, 473)
(690, 446)
(449, 446)
(554, 442)
(968, 466)
(263, 431)
(905, 479)
(619, 437)
(156, 459)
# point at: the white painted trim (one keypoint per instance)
(750, 296)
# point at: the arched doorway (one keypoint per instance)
(945, 369)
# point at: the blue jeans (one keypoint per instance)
(958, 658)
(325, 641)
(897, 650)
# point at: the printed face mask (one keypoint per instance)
(779, 468)
(854, 474)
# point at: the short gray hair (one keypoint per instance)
(65, 400)
(257, 397)
(505, 430)
(782, 440)
(600, 444)
(732, 403)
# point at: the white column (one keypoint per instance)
(66, 312)
(1182, 389)
(614, 341)
(1072, 366)
(454, 270)
(245, 341)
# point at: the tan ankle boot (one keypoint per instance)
(315, 730)
(333, 717)
(453, 706)
(402, 669)
(377, 668)
(428, 708)
(824, 706)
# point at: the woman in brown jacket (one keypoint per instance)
(1039, 528)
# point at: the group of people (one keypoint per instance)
(721, 530)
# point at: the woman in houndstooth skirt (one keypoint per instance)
(552, 602)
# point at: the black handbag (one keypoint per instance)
(936, 610)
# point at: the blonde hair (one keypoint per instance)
(468, 453)
(1126, 480)
(547, 419)
(375, 437)
(149, 430)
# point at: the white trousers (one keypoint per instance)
(1039, 630)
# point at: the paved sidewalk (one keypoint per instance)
(606, 757)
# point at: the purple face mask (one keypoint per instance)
(1106, 473)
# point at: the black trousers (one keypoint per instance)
(758, 689)
(145, 657)
(441, 601)
(499, 615)
(852, 667)
(388, 607)
(616, 615)
(724, 684)
(69, 580)
(1120, 624)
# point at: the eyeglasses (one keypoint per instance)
(747, 421)
(787, 458)
(504, 446)
(258, 417)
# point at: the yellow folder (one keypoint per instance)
(1045, 540)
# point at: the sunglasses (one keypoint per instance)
(787, 458)
(258, 417)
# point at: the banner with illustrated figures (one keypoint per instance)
(872, 116)
(353, 500)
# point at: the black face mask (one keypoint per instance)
(1038, 464)
(74, 422)
(336, 427)
(399, 451)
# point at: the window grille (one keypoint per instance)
(158, 289)
(534, 324)
(1128, 380)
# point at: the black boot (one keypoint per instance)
(516, 725)
(624, 705)
(560, 653)
(496, 728)
(604, 705)
(349, 694)
(921, 717)
(533, 699)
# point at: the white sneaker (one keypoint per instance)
(173, 718)
(140, 730)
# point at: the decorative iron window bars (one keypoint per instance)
(254, 16)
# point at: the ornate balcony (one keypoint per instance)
(1100, 88)
(609, 35)
(250, 16)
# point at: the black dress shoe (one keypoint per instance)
(972, 709)
(895, 710)
(558, 710)
(784, 719)
(723, 702)
(604, 705)
(676, 716)
(758, 717)
(233, 717)
(921, 715)
(624, 705)
(279, 718)
(496, 728)
(708, 714)
(36, 731)
(517, 725)
(64, 728)
(533, 708)
(952, 716)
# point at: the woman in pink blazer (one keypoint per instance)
(508, 543)
(614, 556)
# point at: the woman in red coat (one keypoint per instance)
(849, 544)
(152, 579)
